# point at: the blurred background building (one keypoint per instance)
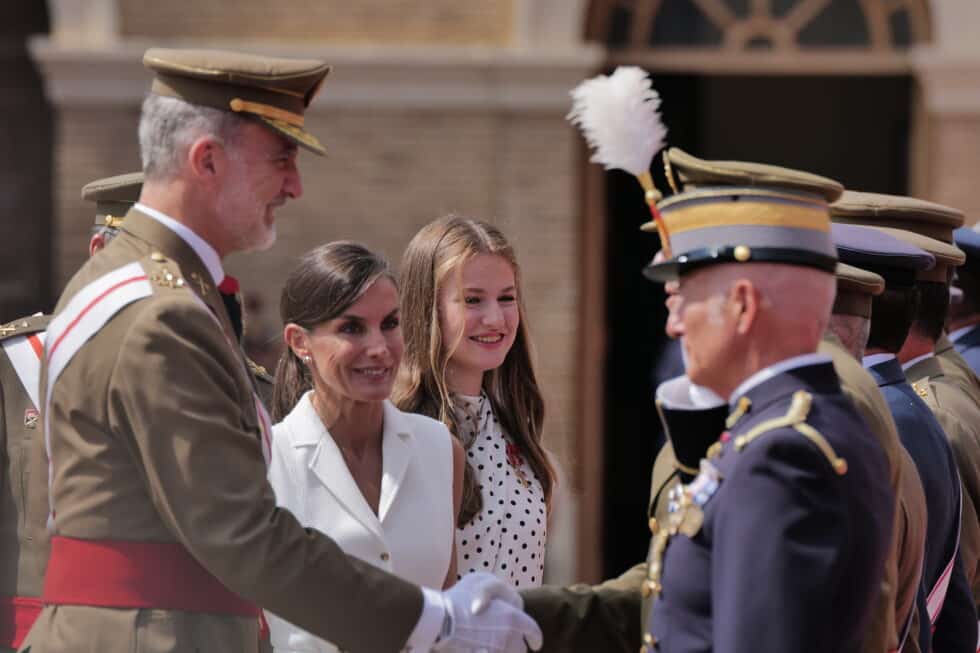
(438, 106)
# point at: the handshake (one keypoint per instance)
(485, 615)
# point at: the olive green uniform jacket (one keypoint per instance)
(943, 386)
(155, 437)
(22, 553)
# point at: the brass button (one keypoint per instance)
(386, 556)
(649, 639)
(158, 257)
(742, 253)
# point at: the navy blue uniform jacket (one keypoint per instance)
(789, 553)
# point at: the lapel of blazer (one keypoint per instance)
(397, 447)
(196, 275)
(327, 464)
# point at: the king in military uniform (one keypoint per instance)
(165, 535)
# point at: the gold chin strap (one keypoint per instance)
(239, 105)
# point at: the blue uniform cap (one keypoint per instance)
(968, 240)
(874, 250)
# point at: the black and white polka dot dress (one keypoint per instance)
(507, 536)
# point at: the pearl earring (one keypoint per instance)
(307, 360)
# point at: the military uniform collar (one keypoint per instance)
(204, 251)
(923, 367)
(885, 369)
(968, 336)
(813, 373)
(908, 365)
(776, 369)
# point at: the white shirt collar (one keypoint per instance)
(204, 251)
(906, 366)
(763, 375)
(962, 331)
(873, 359)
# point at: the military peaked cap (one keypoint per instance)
(968, 240)
(925, 225)
(113, 196)
(274, 91)
(739, 212)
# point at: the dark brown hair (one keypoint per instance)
(326, 282)
(439, 248)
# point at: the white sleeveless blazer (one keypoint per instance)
(413, 534)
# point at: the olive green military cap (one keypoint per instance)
(113, 197)
(273, 90)
(740, 212)
(926, 225)
(855, 288)
(897, 212)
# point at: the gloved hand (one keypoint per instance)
(486, 616)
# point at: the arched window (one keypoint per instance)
(747, 25)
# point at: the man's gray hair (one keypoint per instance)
(169, 126)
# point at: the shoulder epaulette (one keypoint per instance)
(24, 326)
(164, 272)
(259, 371)
(795, 418)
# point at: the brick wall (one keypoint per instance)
(378, 21)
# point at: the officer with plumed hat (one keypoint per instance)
(165, 534)
(757, 536)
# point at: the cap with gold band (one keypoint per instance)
(272, 90)
(113, 197)
(925, 225)
(740, 212)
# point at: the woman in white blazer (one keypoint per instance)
(384, 484)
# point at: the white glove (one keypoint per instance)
(486, 616)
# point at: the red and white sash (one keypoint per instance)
(25, 354)
(87, 312)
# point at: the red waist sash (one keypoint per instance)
(118, 574)
(17, 615)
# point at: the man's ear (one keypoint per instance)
(206, 157)
(95, 244)
(744, 300)
(297, 339)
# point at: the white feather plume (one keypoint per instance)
(619, 116)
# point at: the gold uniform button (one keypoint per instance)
(158, 257)
(386, 556)
(649, 640)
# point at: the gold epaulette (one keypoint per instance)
(920, 388)
(795, 417)
(24, 326)
(164, 272)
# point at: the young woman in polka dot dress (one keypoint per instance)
(468, 363)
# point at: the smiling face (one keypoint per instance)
(479, 318)
(259, 175)
(355, 356)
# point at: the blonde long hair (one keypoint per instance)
(437, 250)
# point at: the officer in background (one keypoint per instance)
(964, 322)
(23, 545)
(930, 226)
(875, 323)
(165, 535)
